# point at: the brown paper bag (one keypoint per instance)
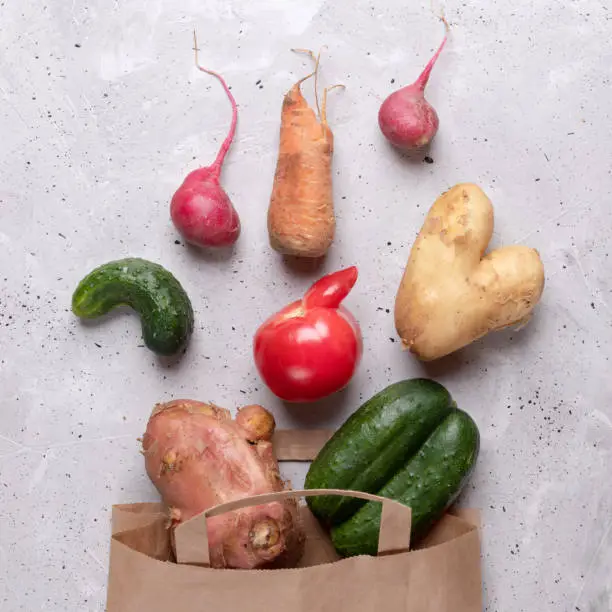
(442, 575)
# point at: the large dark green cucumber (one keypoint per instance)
(429, 483)
(165, 310)
(374, 443)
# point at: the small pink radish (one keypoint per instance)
(200, 209)
(405, 118)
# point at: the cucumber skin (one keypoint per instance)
(165, 310)
(374, 443)
(429, 483)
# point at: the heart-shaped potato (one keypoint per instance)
(451, 293)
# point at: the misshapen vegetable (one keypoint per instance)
(311, 348)
(428, 483)
(374, 443)
(301, 220)
(198, 457)
(152, 291)
(406, 118)
(200, 209)
(451, 293)
(410, 443)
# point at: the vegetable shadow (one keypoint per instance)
(304, 266)
(444, 366)
(172, 361)
(479, 352)
(516, 336)
(104, 320)
(211, 254)
(322, 412)
(423, 156)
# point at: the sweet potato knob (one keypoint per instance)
(198, 457)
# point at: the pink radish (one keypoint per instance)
(200, 209)
(406, 118)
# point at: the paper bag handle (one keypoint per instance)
(191, 537)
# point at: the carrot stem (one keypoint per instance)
(421, 82)
(216, 165)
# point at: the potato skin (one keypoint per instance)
(198, 457)
(450, 293)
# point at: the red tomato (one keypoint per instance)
(311, 348)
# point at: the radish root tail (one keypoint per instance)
(232, 130)
(446, 24)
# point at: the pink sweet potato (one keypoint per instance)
(198, 457)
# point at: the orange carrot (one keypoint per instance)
(301, 219)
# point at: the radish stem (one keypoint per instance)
(216, 165)
(421, 82)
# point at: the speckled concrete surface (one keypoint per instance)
(102, 114)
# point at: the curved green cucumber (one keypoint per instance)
(429, 483)
(154, 293)
(374, 443)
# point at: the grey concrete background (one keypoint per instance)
(102, 113)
